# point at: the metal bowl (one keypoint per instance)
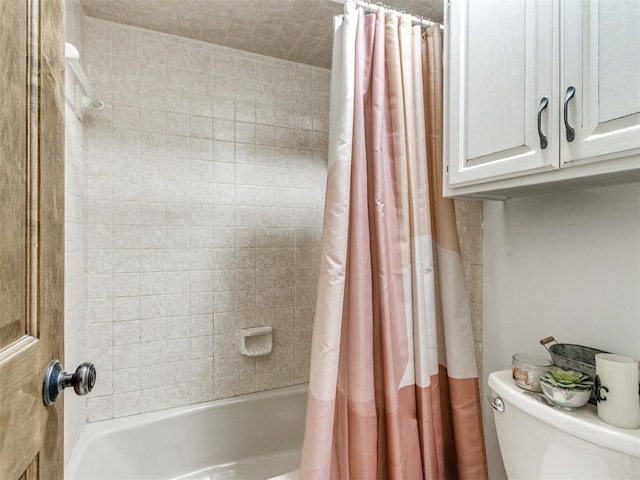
(565, 398)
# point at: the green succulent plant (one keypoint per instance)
(567, 379)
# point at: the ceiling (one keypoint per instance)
(296, 30)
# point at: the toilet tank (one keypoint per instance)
(538, 441)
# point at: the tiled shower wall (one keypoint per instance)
(75, 280)
(469, 221)
(206, 175)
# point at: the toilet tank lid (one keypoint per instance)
(582, 423)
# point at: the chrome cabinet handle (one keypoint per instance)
(496, 403)
(571, 134)
(56, 380)
(544, 103)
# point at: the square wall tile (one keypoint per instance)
(199, 195)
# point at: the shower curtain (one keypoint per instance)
(393, 383)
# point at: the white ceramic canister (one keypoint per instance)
(617, 390)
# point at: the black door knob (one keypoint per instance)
(56, 380)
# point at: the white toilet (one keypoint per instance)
(538, 441)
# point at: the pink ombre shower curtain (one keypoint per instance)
(393, 385)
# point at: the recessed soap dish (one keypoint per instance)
(256, 341)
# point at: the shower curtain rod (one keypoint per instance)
(374, 7)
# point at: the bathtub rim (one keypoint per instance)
(94, 430)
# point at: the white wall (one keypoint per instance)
(206, 176)
(564, 264)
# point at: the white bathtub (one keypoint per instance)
(252, 437)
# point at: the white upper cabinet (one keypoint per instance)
(540, 95)
(600, 58)
(503, 75)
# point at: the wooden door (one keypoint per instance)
(601, 60)
(503, 60)
(31, 234)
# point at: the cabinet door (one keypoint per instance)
(503, 59)
(601, 60)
